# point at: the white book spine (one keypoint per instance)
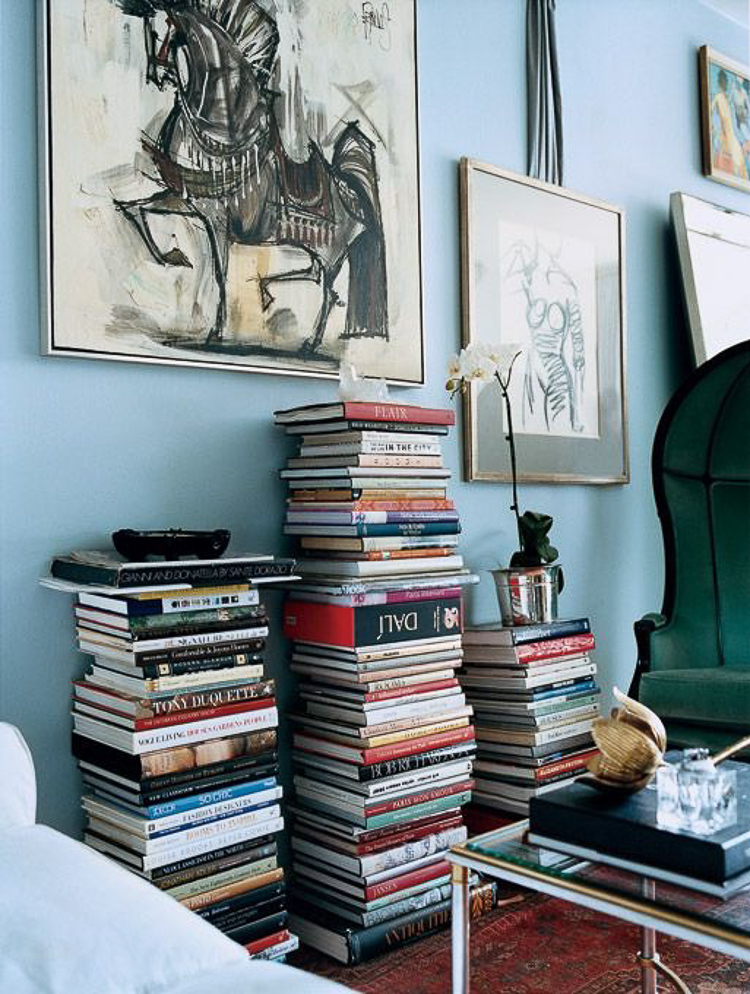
(180, 852)
(173, 735)
(380, 716)
(188, 835)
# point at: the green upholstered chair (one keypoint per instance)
(694, 657)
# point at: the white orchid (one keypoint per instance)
(482, 362)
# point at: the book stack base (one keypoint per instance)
(383, 743)
(175, 733)
(534, 693)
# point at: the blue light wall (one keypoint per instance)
(89, 446)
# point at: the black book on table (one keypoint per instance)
(626, 827)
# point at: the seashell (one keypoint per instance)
(631, 744)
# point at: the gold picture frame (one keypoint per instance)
(725, 118)
(544, 267)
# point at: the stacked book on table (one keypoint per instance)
(383, 742)
(534, 693)
(175, 731)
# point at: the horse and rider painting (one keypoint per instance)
(241, 177)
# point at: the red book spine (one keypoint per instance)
(414, 688)
(563, 765)
(421, 876)
(433, 794)
(179, 717)
(387, 833)
(422, 744)
(568, 646)
(258, 945)
(357, 410)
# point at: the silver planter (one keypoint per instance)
(527, 595)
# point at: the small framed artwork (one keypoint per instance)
(232, 185)
(543, 268)
(725, 118)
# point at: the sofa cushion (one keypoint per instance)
(260, 977)
(17, 779)
(71, 920)
(718, 695)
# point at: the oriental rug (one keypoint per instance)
(536, 945)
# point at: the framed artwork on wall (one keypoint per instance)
(725, 118)
(543, 267)
(713, 246)
(232, 184)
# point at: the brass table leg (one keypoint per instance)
(648, 957)
(460, 930)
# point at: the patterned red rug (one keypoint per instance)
(537, 945)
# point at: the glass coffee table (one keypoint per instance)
(656, 906)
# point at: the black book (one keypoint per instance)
(253, 913)
(247, 854)
(253, 616)
(197, 652)
(107, 569)
(250, 749)
(338, 939)
(493, 633)
(626, 828)
(254, 899)
(258, 929)
(101, 783)
(387, 768)
(141, 669)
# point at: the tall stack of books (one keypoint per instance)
(175, 734)
(534, 693)
(383, 742)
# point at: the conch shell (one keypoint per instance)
(631, 744)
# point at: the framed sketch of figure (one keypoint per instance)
(543, 267)
(725, 118)
(232, 184)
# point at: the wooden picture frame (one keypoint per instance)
(259, 214)
(725, 118)
(544, 267)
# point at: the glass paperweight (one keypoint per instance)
(696, 796)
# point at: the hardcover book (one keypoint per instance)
(626, 827)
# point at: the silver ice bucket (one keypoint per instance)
(528, 595)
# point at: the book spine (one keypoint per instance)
(414, 903)
(157, 739)
(365, 944)
(194, 573)
(192, 601)
(550, 630)
(182, 717)
(182, 871)
(225, 647)
(254, 625)
(409, 690)
(364, 626)
(555, 648)
(422, 797)
(210, 798)
(194, 700)
(406, 880)
(187, 620)
(247, 906)
(257, 818)
(258, 945)
(200, 783)
(356, 410)
(405, 748)
(229, 891)
(408, 764)
(427, 846)
(563, 766)
(183, 667)
(407, 506)
(399, 815)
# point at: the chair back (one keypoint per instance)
(17, 779)
(701, 474)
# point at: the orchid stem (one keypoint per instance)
(510, 437)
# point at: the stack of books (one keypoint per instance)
(175, 732)
(534, 693)
(383, 742)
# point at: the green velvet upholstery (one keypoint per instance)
(694, 658)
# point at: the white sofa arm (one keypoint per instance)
(17, 779)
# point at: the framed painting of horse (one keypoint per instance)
(543, 271)
(233, 184)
